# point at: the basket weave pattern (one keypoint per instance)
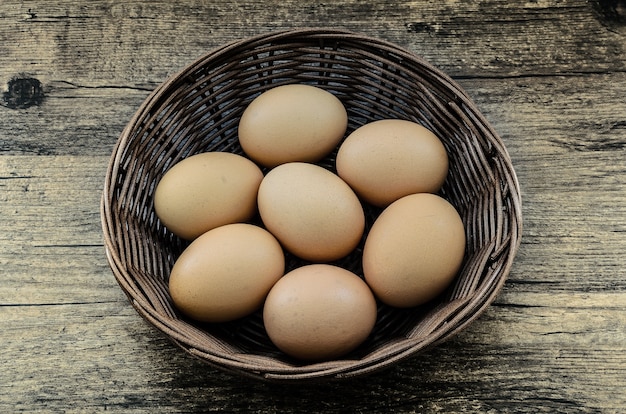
(198, 110)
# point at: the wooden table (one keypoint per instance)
(549, 75)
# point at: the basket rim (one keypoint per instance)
(474, 306)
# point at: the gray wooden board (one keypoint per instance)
(549, 75)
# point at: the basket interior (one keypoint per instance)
(198, 110)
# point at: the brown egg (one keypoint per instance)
(226, 273)
(319, 312)
(413, 250)
(388, 159)
(311, 211)
(205, 191)
(292, 123)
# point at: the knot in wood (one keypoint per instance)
(23, 93)
(612, 14)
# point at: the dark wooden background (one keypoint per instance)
(549, 75)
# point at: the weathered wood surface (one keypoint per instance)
(550, 76)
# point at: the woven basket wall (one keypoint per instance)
(198, 110)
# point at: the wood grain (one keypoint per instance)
(549, 75)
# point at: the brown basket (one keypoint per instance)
(198, 110)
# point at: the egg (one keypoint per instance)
(319, 312)
(413, 250)
(385, 160)
(292, 123)
(311, 211)
(205, 191)
(226, 273)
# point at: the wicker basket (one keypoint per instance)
(198, 110)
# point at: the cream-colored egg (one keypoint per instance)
(292, 123)
(226, 273)
(205, 191)
(319, 312)
(414, 250)
(388, 159)
(311, 211)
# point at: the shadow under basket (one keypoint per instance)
(198, 110)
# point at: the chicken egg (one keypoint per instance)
(388, 159)
(319, 312)
(205, 191)
(226, 273)
(413, 250)
(311, 211)
(292, 123)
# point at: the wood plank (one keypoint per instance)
(51, 248)
(72, 120)
(111, 360)
(568, 149)
(550, 76)
(138, 43)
